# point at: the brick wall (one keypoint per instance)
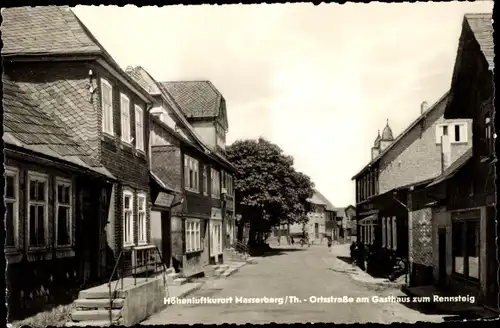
(417, 156)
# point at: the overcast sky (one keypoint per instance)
(319, 81)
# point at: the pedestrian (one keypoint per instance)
(329, 244)
(293, 241)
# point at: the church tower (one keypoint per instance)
(376, 146)
(387, 137)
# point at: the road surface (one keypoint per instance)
(305, 280)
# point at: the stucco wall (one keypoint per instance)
(206, 130)
(417, 156)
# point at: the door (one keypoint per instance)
(166, 238)
(492, 267)
(316, 230)
(442, 256)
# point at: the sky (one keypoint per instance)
(318, 81)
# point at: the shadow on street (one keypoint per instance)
(277, 252)
(345, 259)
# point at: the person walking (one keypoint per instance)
(329, 240)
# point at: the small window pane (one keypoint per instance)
(63, 226)
(9, 224)
(41, 190)
(10, 187)
(32, 190)
(41, 225)
(127, 202)
(60, 189)
(457, 132)
(32, 225)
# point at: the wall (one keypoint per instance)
(61, 88)
(143, 300)
(156, 231)
(417, 157)
(441, 219)
(206, 130)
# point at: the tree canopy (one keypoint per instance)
(269, 191)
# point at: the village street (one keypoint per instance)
(292, 271)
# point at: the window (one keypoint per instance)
(230, 187)
(384, 231)
(11, 206)
(191, 174)
(388, 233)
(107, 106)
(141, 218)
(215, 183)
(37, 209)
(223, 180)
(488, 135)
(394, 234)
(205, 180)
(139, 128)
(458, 132)
(466, 247)
(128, 217)
(125, 118)
(64, 212)
(358, 190)
(193, 235)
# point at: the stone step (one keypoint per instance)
(100, 293)
(99, 303)
(251, 260)
(179, 281)
(220, 270)
(95, 315)
(92, 323)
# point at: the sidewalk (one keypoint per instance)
(341, 253)
(464, 308)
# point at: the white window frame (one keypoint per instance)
(193, 235)
(194, 165)
(142, 226)
(462, 131)
(14, 173)
(36, 176)
(440, 130)
(125, 118)
(389, 234)
(66, 183)
(384, 232)
(128, 238)
(106, 114)
(215, 179)
(139, 128)
(394, 234)
(205, 180)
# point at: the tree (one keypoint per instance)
(269, 191)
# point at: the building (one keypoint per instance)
(204, 224)
(77, 83)
(350, 212)
(331, 228)
(389, 220)
(463, 234)
(317, 217)
(48, 169)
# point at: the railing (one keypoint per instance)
(136, 261)
(240, 247)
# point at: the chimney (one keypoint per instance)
(445, 152)
(423, 107)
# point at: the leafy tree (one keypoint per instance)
(269, 191)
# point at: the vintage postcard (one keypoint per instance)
(286, 163)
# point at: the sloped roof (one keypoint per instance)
(481, 26)
(316, 200)
(26, 125)
(340, 212)
(52, 30)
(196, 99)
(324, 200)
(148, 82)
(44, 30)
(442, 100)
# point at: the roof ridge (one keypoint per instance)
(404, 132)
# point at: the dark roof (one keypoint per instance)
(481, 26)
(404, 133)
(453, 168)
(28, 126)
(152, 86)
(52, 30)
(323, 200)
(44, 30)
(196, 99)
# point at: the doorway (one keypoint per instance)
(166, 233)
(442, 256)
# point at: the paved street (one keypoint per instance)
(299, 272)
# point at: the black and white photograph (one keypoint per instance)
(249, 164)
